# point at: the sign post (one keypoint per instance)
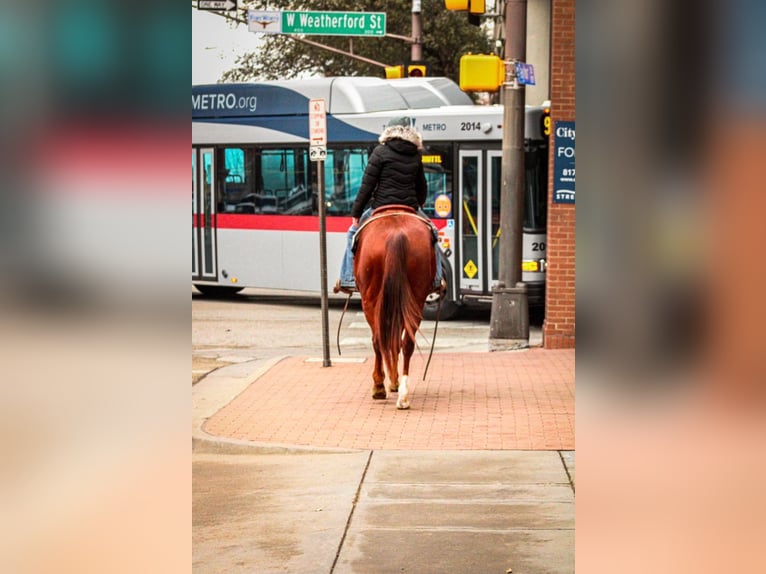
(318, 153)
(509, 319)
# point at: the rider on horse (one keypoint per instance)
(394, 176)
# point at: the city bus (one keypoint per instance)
(255, 219)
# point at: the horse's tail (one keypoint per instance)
(398, 311)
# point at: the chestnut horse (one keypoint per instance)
(394, 266)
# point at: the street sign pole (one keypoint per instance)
(323, 265)
(509, 319)
(318, 153)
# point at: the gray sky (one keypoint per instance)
(215, 45)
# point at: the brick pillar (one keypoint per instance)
(559, 324)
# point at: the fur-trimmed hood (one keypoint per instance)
(405, 133)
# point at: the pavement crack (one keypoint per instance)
(566, 469)
(351, 514)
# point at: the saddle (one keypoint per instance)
(390, 211)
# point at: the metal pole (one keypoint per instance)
(512, 190)
(323, 264)
(509, 322)
(416, 53)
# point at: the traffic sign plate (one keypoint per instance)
(317, 153)
(334, 23)
(216, 4)
(525, 73)
(317, 122)
(264, 21)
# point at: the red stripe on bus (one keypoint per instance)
(285, 222)
(280, 222)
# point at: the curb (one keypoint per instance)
(221, 386)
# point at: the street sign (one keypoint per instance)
(317, 123)
(317, 130)
(264, 21)
(318, 23)
(525, 73)
(216, 4)
(317, 153)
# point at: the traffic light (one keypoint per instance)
(394, 72)
(416, 70)
(475, 8)
(481, 73)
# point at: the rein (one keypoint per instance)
(337, 338)
(433, 341)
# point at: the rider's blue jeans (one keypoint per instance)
(347, 265)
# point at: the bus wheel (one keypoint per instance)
(450, 309)
(219, 291)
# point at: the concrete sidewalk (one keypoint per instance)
(296, 468)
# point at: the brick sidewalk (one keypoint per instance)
(504, 400)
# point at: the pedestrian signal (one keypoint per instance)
(481, 73)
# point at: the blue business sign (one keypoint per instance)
(564, 163)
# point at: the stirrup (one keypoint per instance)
(438, 293)
(340, 288)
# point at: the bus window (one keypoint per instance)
(343, 180)
(285, 177)
(237, 190)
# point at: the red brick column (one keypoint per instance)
(559, 324)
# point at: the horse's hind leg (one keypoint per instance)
(408, 347)
(393, 380)
(378, 375)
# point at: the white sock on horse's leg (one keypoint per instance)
(403, 402)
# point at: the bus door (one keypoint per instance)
(204, 260)
(470, 268)
(494, 183)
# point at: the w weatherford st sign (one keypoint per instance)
(317, 23)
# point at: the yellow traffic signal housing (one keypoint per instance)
(481, 73)
(394, 72)
(416, 70)
(476, 6)
(470, 6)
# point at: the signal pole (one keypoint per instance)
(509, 321)
(416, 52)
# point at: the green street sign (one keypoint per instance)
(334, 23)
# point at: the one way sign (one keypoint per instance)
(216, 4)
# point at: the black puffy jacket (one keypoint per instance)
(394, 172)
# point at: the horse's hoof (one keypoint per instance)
(394, 390)
(377, 395)
(402, 405)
